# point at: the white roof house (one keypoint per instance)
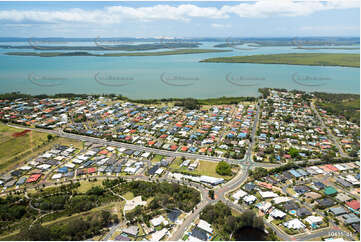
(351, 179)
(82, 157)
(268, 194)
(59, 158)
(25, 168)
(56, 176)
(314, 219)
(250, 199)
(294, 224)
(44, 166)
(211, 180)
(340, 167)
(205, 226)
(90, 153)
(122, 149)
(158, 235)
(33, 163)
(69, 165)
(146, 154)
(159, 171)
(131, 170)
(278, 200)
(239, 194)
(276, 213)
(70, 150)
(158, 221)
(77, 161)
(264, 206)
(47, 155)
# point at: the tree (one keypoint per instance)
(50, 137)
(293, 152)
(224, 169)
(211, 194)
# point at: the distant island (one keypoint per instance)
(158, 53)
(106, 47)
(311, 59)
(328, 48)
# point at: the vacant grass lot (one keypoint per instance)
(21, 147)
(312, 59)
(128, 195)
(157, 158)
(206, 168)
(12, 146)
(86, 185)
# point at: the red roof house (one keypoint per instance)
(354, 204)
(33, 178)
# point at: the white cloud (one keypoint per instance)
(221, 25)
(183, 12)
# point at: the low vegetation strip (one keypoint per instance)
(311, 59)
(81, 53)
(347, 105)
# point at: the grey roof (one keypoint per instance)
(21, 181)
(356, 227)
(6, 177)
(122, 238)
(326, 202)
(290, 205)
(10, 183)
(199, 234)
(351, 218)
(338, 211)
(343, 182)
(132, 230)
(249, 187)
(302, 172)
(301, 189)
(303, 212)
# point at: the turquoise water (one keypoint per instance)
(171, 76)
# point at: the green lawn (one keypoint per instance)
(86, 185)
(206, 168)
(313, 59)
(128, 195)
(157, 158)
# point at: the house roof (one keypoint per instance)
(354, 204)
(301, 212)
(338, 210)
(330, 190)
(205, 226)
(199, 234)
(326, 202)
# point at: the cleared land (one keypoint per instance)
(11, 146)
(206, 168)
(156, 53)
(15, 150)
(311, 59)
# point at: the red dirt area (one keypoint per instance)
(22, 133)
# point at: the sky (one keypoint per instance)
(181, 19)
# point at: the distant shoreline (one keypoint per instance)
(308, 59)
(157, 53)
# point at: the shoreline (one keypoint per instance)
(16, 95)
(304, 59)
(120, 54)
